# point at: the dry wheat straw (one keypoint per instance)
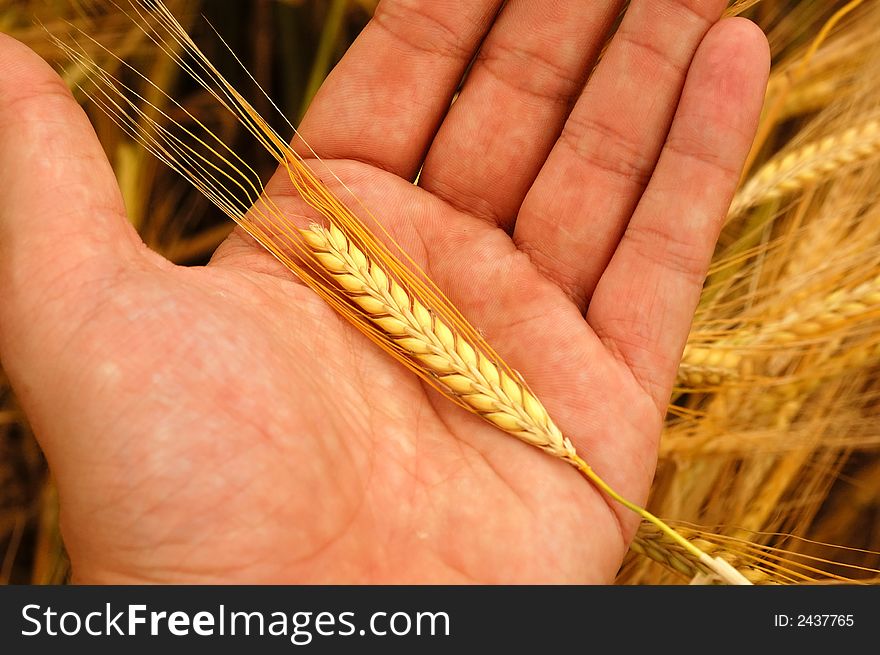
(814, 350)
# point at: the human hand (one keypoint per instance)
(222, 424)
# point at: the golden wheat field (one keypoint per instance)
(770, 456)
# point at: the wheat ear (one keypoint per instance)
(812, 163)
(464, 372)
(829, 313)
(716, 363)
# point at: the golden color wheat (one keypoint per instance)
(810, 164)
(347, 259)
(456, 365)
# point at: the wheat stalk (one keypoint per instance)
(810, 164)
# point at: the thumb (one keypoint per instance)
(62, 219)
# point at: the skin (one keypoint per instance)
(222, 424)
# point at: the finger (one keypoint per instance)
(384, 101)
(62, 219)
(573, 217)
(517, 96)
(645, 301)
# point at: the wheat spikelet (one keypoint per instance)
(708, 366)
(459, 367)
(810, 82)
(809, 164)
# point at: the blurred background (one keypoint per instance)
(772, 438)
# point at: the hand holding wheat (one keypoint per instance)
(223, 423)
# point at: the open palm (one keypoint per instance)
(223, 424)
